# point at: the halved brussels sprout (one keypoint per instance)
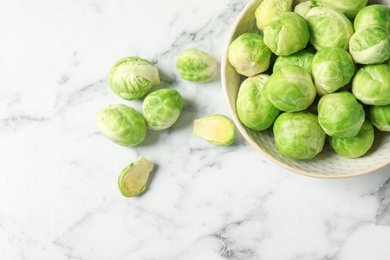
(298, 135)
(131, 77)
(268, 9)
(348, 7)
(254, 109)
(301, 58)
(162, 108)
(371, 84)
(373, 15)
(291, 89)
(249, 55)
(328, 28)
(340, 114)
(196, 65)
(333, 68)
(286, 34)
(121, 124)
(380, 117)
(304, 7)
(353, 147)
(370, 45)
(216, 129)
(133, 179)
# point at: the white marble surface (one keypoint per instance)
(58, 175)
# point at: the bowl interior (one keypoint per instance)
(327, 164)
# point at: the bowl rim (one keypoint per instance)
(241, 128)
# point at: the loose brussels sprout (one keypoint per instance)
(216, 129)
(286, 34)
(340, 114)
(133, 179)
(348, 7)
(380, 117)
(371, 84)
(333, 68)
(373, 15)
(196, 65)
(370, 45)
(301, 58)
(304, 7)
(254, 109)
(291, 89)
(121, 124)
(249, 55)
(268, 9)
(298, 135)
(328, 28)
(131, 77)
(353, 147)
(162, 108)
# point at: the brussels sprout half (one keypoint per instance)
(196, 65)
(298, 135)
(380, 117)
(373, 15)
(254, 109)
(269, 9)
(162, 108)
(348, 7)
(121, 124)
(131, 77)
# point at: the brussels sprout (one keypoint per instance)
(254, 109)
(162, 108)
(328, 28)
(301, 58)
(371, 84)
(133, 179)
(304, 7)
(131, 77)
(370, 45)
(353, 147)
(249, 55)
(291, 89)
(380, 117)
(373, 15)
(340, 114)
(333, 68)
(196, 65)
(216, 129)
(268, 9)
(348, 7)
(121, 124)
(286, 34)
(298, 135)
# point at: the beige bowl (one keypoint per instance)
(327, 164)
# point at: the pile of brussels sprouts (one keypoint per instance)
(315, 70)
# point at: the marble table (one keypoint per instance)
(58, 174)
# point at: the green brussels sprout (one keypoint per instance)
(121, 124)
(216, 129)
(333, 68)
(328, 28)
(348, 7)
(249, 55)
(370, 45)
(298, 135)
(371, 84)
(286, 34)
(340, 114)
(133, 178)
(380, 117)
(254, 109)
(268, 9)
(131, 77)
(373, 15)
(353, 147)
(291, 89)
(301, 58)
(196, 65)
(162, 108)
(304, 7)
